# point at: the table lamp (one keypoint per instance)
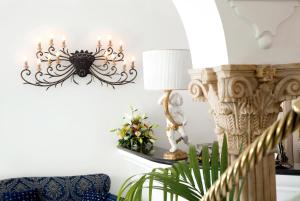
(168, 70)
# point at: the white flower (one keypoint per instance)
(137, 133)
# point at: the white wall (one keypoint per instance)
(65, 131)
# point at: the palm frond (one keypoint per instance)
(224, 155)
(206, 167)
(183, 179)
(194, 165)
(215, 162)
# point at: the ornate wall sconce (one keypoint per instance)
(62, 65)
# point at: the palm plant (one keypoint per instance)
(183, 179)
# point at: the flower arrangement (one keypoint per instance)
(135, 133)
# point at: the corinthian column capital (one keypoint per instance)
(245, 99)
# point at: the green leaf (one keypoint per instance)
(136, 193)
(194, 165)
(175, 175)
(171, 196)
(224, 155)
(180, 171)
(175, 187)
(186, 171)
(215, 162)
(151, 186)
(139, 190)
(165, 186)
(206, 167)
(231, 195)
(124, 186)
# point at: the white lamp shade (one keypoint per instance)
(166, 69)
(204, 30)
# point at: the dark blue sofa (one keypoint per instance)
(59, 188)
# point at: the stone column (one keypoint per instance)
(244, 101)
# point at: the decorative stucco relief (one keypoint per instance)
(265, 16)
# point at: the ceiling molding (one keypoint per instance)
(264, 23)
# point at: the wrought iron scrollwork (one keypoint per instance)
(63, 65)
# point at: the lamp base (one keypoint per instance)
(176, 155)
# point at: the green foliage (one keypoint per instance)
(183, 179)
(135, 133)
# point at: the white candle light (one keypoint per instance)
(121, 46)
(39, 48)
(51, 42)
(26, 63)
(99, 41)
(109, 41)
(132, 62)
(63, 42)
(57, 57)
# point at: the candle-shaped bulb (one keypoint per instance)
(124, 65)
(57, 57)
(109, 40)
(63, 42)
(132, 62)
(39, 48)
(121, 46)
(39, 62)
(99, 41)
(26, 63)
(51, 41)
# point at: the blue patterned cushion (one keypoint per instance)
(93, 196)
(30, 195)
(58, 188)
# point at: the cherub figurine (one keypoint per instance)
(172, 104)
